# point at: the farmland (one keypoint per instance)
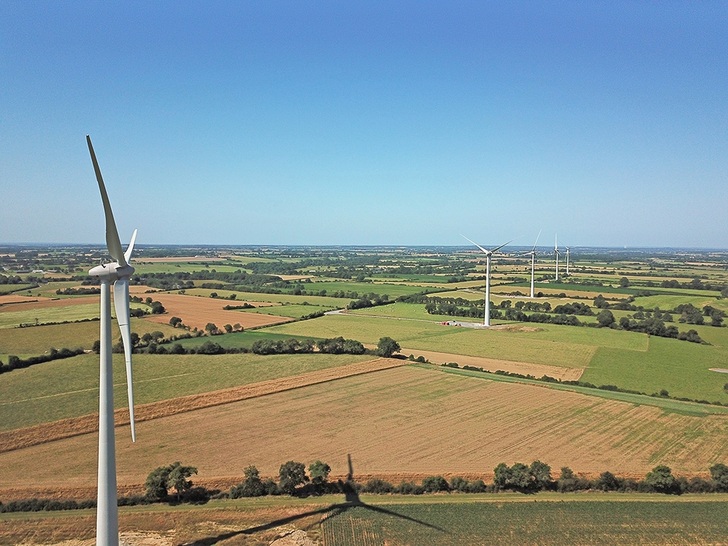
(452, 519)
(403, 420)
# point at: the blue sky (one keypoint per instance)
(366, 122)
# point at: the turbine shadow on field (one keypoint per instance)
(352, 500)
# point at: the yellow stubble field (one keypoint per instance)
(403, 422)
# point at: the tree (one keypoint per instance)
(624, 282)
(719, 475)
(567, 480)
(502, 476)
(156, 484)
(291, 475)
(607, 482)
(175, 322)
(541, 474)
(211, 328)
(605, 318)
(387, 347)
(319, 473)
(661, 480)
(177, 478)
(433, 484)
(252, 485)
(228, 328)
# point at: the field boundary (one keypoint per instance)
(12, 440)
(493, 364)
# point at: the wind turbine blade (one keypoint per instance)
(476, 244)
(112, 235)
(121, 303)
(537, 236)
(499, 247)
(127, 254)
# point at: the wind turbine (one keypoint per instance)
(568, 251)
(556, 253)
(118, 272)
(488, 255)
(533, 263)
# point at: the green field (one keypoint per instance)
(324, 301)
(679, 367)
(69, 388)
(392, 290)
(397, 520)
(540, 520)
(549, 344)
(39, 339)
(239, 339)
(10, 288)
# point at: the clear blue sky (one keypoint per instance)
(371, 122)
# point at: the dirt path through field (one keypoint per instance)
(493, 364)
(47, 432)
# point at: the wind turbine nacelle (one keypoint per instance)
(112, 271)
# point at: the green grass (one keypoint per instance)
(69, 388)
(551, 344)
(536, 520)
(178, 267)
(392, 290)
(678, 366)
(324, 301)
(239, 339)
(669, 405)
(291, 311)
(671, 301)
(10, 288)
(457, 519)
(39, 339)
(11, 319)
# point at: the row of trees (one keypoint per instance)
(15, 362)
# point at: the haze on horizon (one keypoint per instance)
(359, 123)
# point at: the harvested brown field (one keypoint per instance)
(48, 432)
(196, 312)
(7, 299)
(493, 364)
(400, 421)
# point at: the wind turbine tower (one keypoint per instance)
(118, 272)
(568, 251)
(488, 256)
(533, 265)
(556, 253)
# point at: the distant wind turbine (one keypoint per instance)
(568, 251)
(488, 255)
(118, 272)
(533, 263)
(556, 253)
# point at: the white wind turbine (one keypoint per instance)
(533, 263)
(488, 255)
(556, 253)
(568, 251)
(118, 272)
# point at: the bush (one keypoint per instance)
(375, 485)
(433, 484)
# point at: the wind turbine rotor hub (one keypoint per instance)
(112, 271)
